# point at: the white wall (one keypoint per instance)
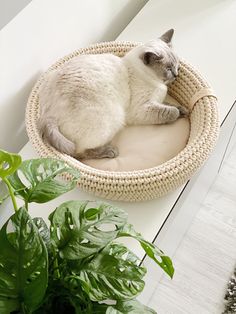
(41, 33)
(9, 8)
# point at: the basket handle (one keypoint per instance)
(203, 92)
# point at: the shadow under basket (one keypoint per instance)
(189, 89)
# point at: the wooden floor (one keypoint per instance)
(206, 256)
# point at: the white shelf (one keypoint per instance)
(203, 30)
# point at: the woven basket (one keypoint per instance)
(189, 89)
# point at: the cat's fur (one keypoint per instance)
(92, 97)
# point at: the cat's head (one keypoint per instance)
(160, 57)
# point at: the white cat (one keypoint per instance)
(92, 97)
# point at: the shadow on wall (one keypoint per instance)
(13, 136)
(122, 18)
(9, 9)
(30, 46)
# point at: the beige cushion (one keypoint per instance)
(142, 147)
(141, 185)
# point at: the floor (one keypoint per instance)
(206, 257)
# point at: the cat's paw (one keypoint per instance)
(110, 152)
(173, 114)
(183, 111)
(106, 151)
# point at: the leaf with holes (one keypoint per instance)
(8, 163)
(23, 264)
(44, 231)
(114, 273)
(129, 307)
(36, 180)
(79, 229)
(4, 193)
(150, 249)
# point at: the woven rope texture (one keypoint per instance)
(149, 183)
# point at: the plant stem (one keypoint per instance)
(11, 193)
(26, 205)
(23, 309)
(55, 265)
(56, 269)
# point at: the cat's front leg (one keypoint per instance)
(184, 112)
(156, 113)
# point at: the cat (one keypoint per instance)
(86, 102)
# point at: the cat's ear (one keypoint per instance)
(150, 57)
(167, 36)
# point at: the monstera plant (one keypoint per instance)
(74, 265)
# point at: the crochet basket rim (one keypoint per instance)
(190, 89)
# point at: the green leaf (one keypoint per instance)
(150, 249)
(129, 307)
(79, 230)
(36, 180)
(44, 231)
(8, 163)
(8, 305)
(91, 213)
(113, 274)
(23, 264)
(99, 308)
(84, 306)
(112, 310)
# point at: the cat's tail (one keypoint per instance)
(51, 132)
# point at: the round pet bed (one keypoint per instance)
(190, 90)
